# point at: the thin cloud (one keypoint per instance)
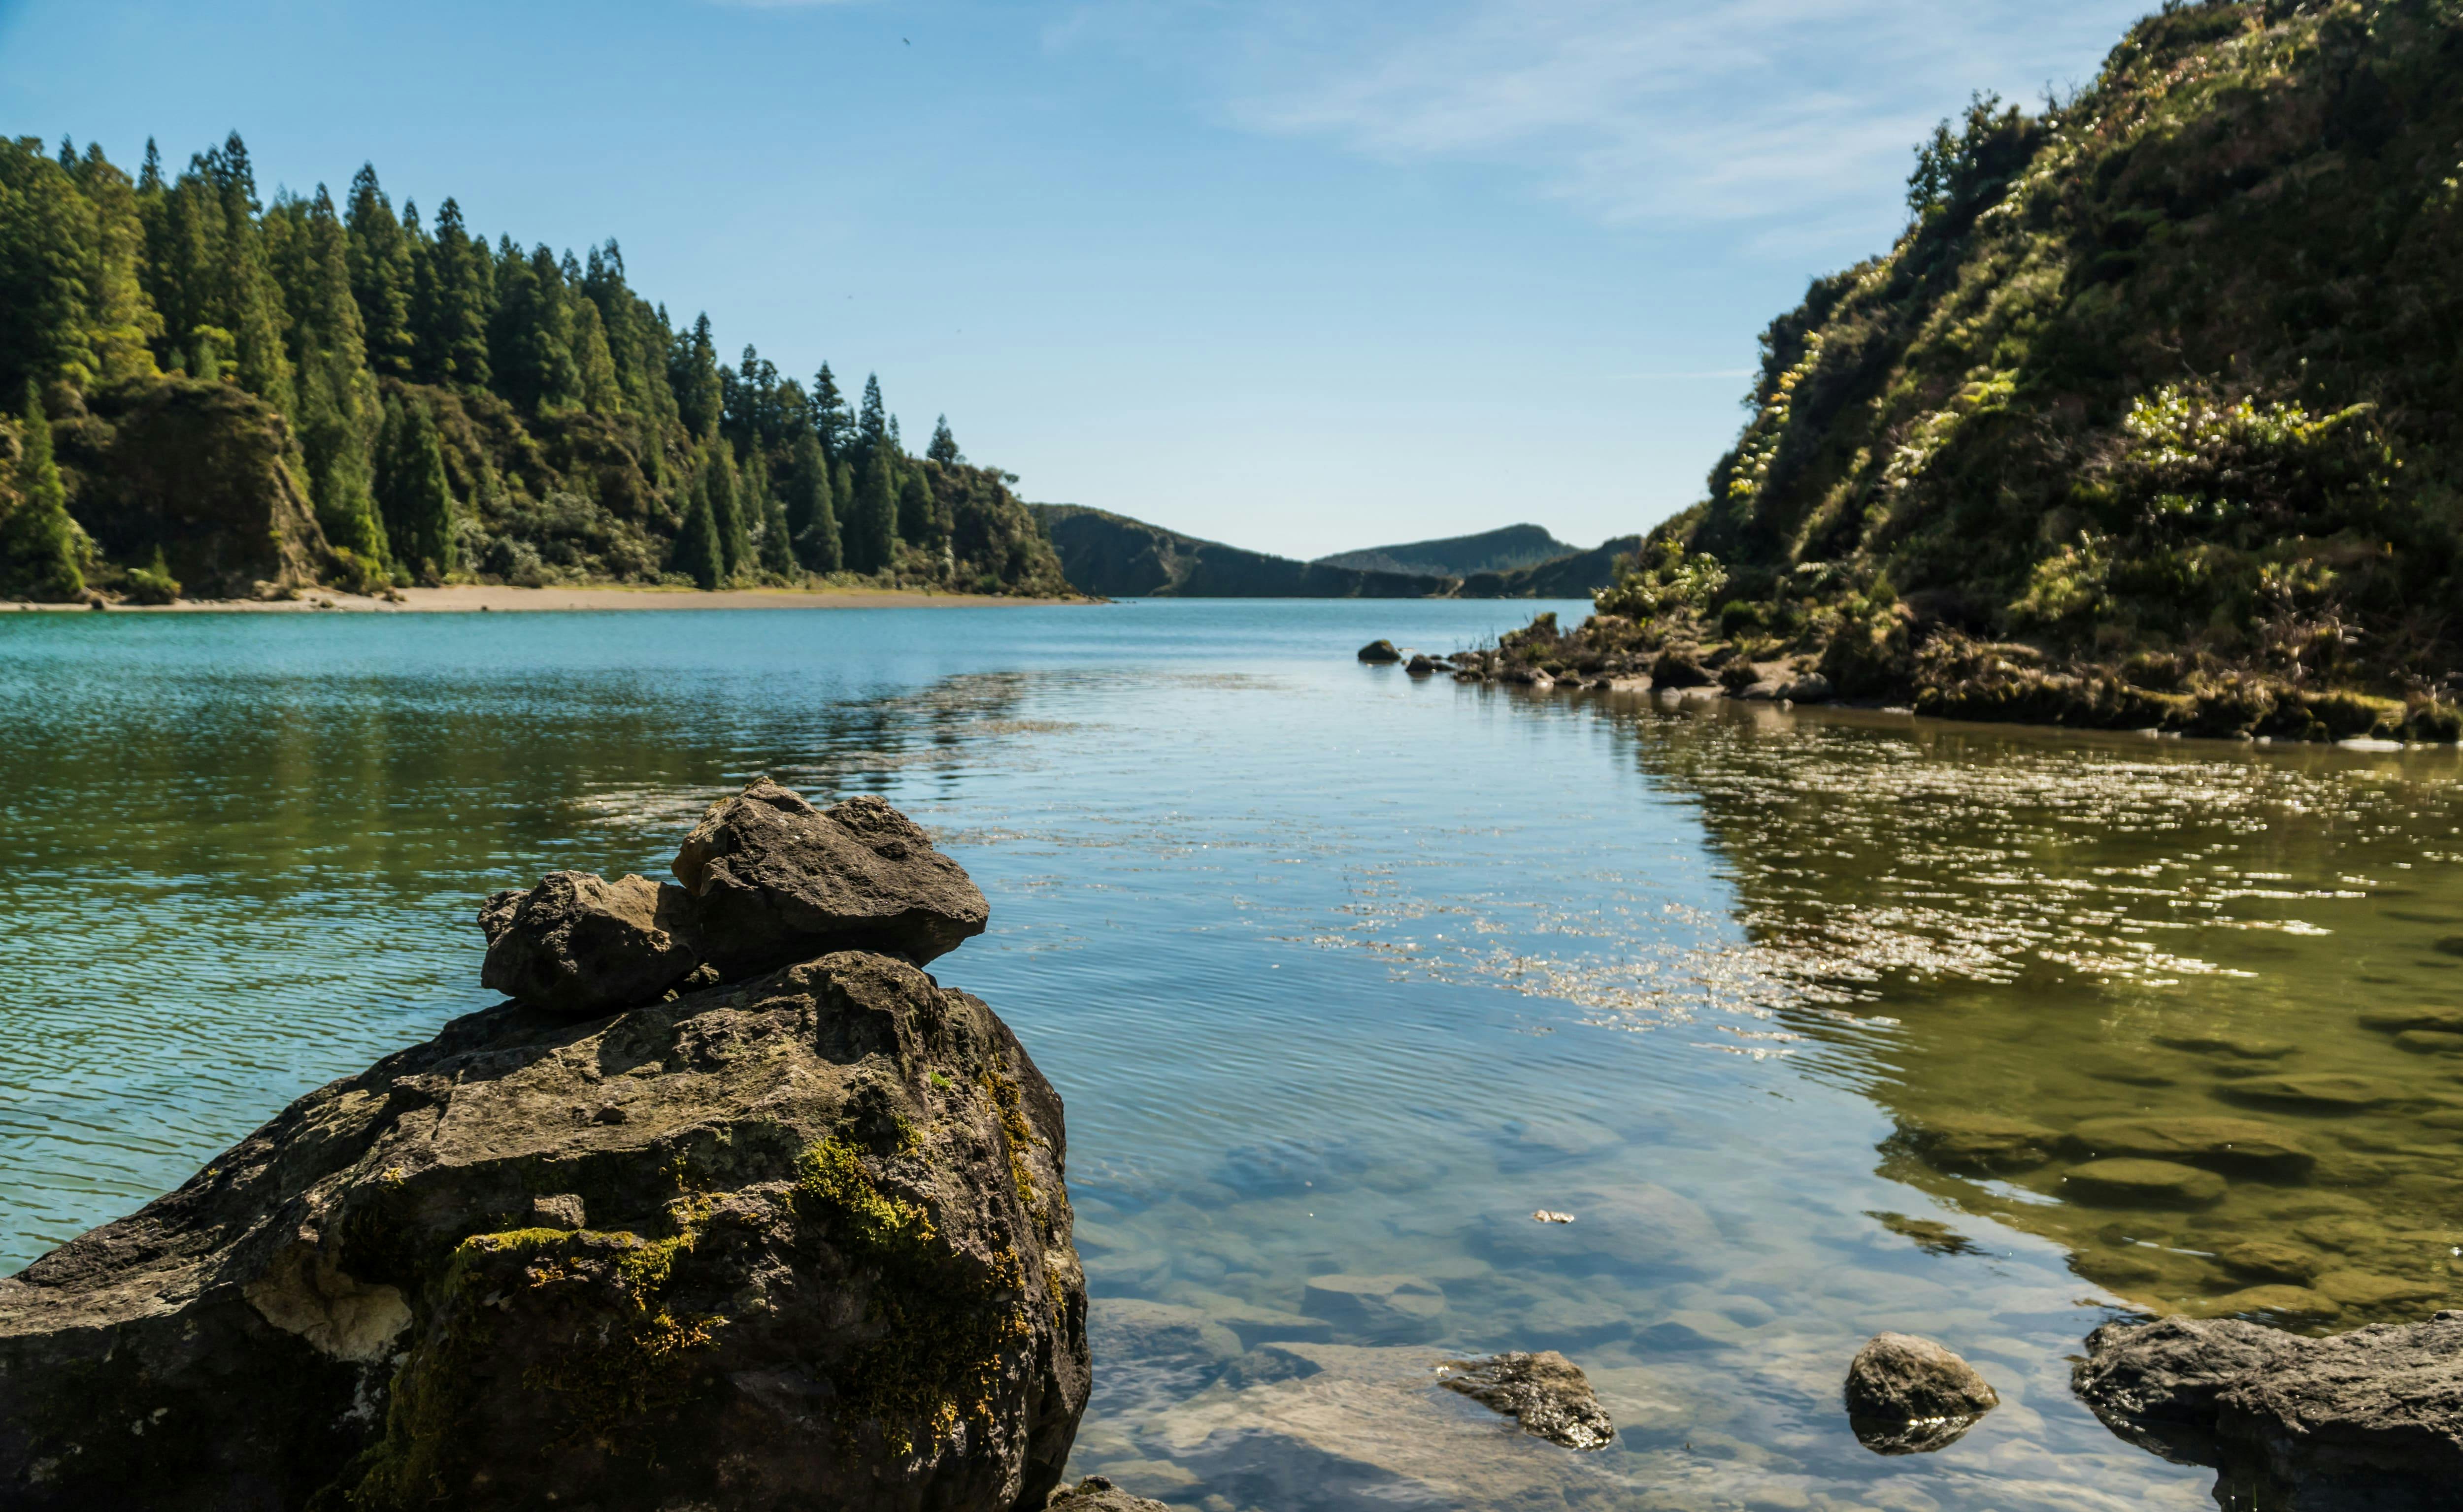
(1687, 113)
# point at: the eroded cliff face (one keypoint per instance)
(201, 471)
(794, 1240)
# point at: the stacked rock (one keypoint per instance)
(767, 879)
(733, 1205)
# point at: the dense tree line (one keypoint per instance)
(455, 409)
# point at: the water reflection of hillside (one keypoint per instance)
(2186, 1009)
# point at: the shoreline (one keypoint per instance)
(476, 598)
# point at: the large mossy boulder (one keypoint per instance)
(798, 1241)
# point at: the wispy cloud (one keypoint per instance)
(1717, 111)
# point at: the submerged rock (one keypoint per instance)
(2322, 1091)
(580, 944)
(2225, 1143)
(1544, 1392)
(2372, 1418)
(1909, 1395)
(797, 1240)
(1978, 1141)
(774, 879)
(1097, 1493)
(1386, 1309)
(2142, 1183)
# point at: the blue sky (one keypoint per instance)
(1301, 277)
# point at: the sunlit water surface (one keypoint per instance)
(1800, 1016)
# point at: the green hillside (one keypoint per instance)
(213, 394)
(2149, 418)
(1498, 551)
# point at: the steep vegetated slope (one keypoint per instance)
(238, 397)
(2149, 419)
(1500, 551)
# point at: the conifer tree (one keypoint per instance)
(811, 510)
(44, 229)
(381, 277)
(872, 535)
(872, 425)
(453, 291)
(594, 361)
(38, 541)
(945, 447)
(697, 554)
(120, 321)
(778, 543)
(693, 372)
(338, 413)
(529, 337)
(832, 424)
(414, 491)
(248, 303)
(725, 511)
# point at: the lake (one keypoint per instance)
(1816, 1022)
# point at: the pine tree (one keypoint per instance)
(725, 511)
(594, 361)
(414, 491)
(812, 511)
(38, 541)
(339, 411)
(452, 293)
(45, 228)
(697, 554)
(872, 534)
(778, 541)
(248, 303)
(872, 425)
(120, 321)
(530, 343)
(832, 424)
(693, 372)
(945, 447)
(381, 277)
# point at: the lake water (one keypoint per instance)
(1816, 1022)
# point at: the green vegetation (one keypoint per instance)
(439, 409)
(2147, 419)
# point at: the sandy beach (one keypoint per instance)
(475, 599)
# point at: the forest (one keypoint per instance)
(213, 394)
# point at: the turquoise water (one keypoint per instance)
(1340, 973)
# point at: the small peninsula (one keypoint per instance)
(2145, 421)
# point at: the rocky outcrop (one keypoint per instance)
(2372, 1418)
(794, 1240)
(1545, 1392)
(774, 879)
(1909, 1395)
(583, 946)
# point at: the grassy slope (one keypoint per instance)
(2149, 418)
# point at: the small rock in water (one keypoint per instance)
(1419, 666)
(2267, 1259)
(582, 945)
(1545, 1392)
(1545, 1216)
(1908, 1396)
(2143, 1183)
(1379, 652)
(1097, 1493)
(774, 880)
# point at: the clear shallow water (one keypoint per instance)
(1340, 973)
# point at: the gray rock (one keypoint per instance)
(774, 879)
(1097, 1493)
(1386, 1309)
(1544, 1392)
(827, 1263)
(1419, 666)
(580, 944)
(1909, 1395)
(1379, 652)
(2372, 1418)
(1811, 688)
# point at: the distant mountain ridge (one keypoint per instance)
(1499, 550)
(1119, 557)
